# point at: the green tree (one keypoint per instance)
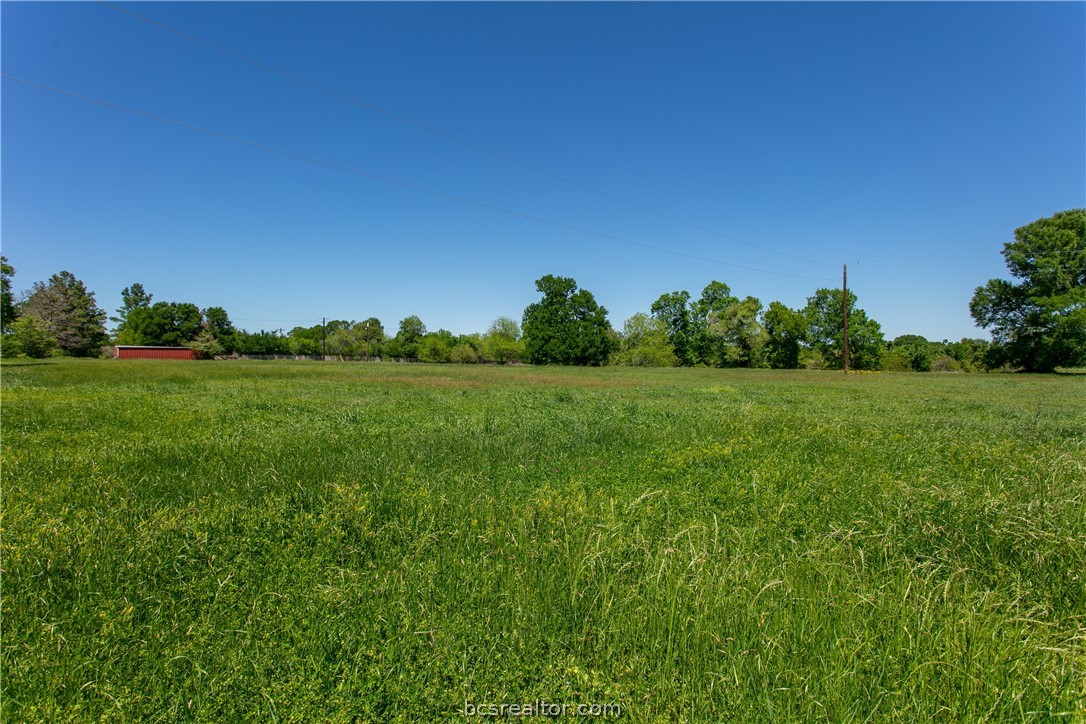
(132, 297)
(163, 324)
(737, 337)
(7, 301)
(915, 352)
(825, 331)
(786, 330)
(317, 339)
(32, 336)
(673, 311)
(567, 326)
(354, 339)
(206, 345)
(464, 354)
(716, 299)
(644, 343)
(689, 323)
(262, 342)
(217, 322)
(411, 329)
(1039, 323)
(340, 342)
(436, 346)
(502, 342)
(406, 342)
(70, 312)
(945, 363)
(969, 353)
(371, 337)
(506, 327)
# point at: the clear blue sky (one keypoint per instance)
(908, 140)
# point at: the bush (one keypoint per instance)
(32, 335)
(811, 359)
(945, 363)
(646, 356)
(502, 349)
(206, 345)
(895, 361)
(463, 354)
(435, 347)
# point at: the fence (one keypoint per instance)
(316, 357)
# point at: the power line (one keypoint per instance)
(253, 319)
(438, 132)
(395, 182)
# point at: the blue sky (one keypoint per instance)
(907, 140)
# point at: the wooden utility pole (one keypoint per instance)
(844, 310)
(324, 337)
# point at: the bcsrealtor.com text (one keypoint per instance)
(540, 708)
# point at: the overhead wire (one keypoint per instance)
(395, 182)
(444, 134)
(254, 319)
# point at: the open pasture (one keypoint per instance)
(241, 540)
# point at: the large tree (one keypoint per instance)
(31, 337)
(261, 343)
(406, 341)
(673, 311)
(1039, 323)
(911, 352)
(361, 339)
(166, 324)
(502, 343)
(688, 322)
(969, 353)
(567, 326)
(7, 302)
(217, 323)
(716, 297)
(736, 335)
(436, 346)
(132, 297)
(318, 338)
(70, 312)
(825, 324)
(644, 343)
(786, 330)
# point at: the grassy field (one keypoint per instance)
(242, 540)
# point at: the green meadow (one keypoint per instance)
(372, 542)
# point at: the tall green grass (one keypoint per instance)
(301, 541)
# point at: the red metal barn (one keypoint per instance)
(134, 352)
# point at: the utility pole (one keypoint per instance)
(844, 309)
(324, 337)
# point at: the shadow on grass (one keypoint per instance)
(26, 362)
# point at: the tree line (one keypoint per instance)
(1037, 324)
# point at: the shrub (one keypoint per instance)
(9, 346)
(463, 354)
(206, 345)
(32, 335)
(812, 359)
(945, 363)
(895, 361)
